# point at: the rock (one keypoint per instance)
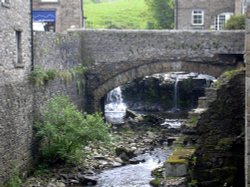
(88, 180)
(116, 164)
(60, 184)
(131, 114)
(136, 161)
(124, 153)
(51, 185)
(175, 170)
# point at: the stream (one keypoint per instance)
(137, 175)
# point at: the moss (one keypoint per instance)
(193, 183)
(158, 172)
(181, 155)
(155, 182)
(224, 143)
(192, 121)
(226, 76)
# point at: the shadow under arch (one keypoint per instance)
(95, 100)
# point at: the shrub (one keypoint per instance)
(236, 23)
(64, 131)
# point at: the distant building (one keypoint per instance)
(205, 14)
(57, 15)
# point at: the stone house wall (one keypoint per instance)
(10, 69)
(211, 8)
(16, 100)
(68, 13)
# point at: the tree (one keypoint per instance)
(162, 12)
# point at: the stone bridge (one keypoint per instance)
(118, 57)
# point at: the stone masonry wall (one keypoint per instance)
(220, 132)
(16, 100)
(247, 123)
(10, 69)
(211, 9)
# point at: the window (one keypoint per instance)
(221, 19)
(5, 3)
(197, 17)
(18, 47)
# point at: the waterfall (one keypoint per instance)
(115, 108)
(176, 93)
(175, 107)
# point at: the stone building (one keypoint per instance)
(15, 37)
(57, 15)
(205, 14)
(15, 96)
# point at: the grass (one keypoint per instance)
(120, 14)
(180, 155)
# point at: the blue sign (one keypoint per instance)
(44, 16)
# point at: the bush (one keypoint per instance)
(64, 131)
(236, 23)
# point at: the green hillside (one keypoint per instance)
(121, 14)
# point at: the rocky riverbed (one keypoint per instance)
(130, 141)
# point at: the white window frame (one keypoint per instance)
(197, 12)
(49, 1)
(5, 3)
(218, 24)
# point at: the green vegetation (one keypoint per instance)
(193, 183)
(15, 180)
(155, 182)
(128, 14)
(40, 77)
(181, 155)
(224, 143)
(226, 77)
(191, 122)
(64, 131)
(236, 22)
(162, 12)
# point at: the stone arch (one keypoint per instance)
(95, 99)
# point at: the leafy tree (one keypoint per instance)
(162, 12)
(235, 23)
(64, 131)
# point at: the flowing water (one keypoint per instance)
(115, 108)
(138, 175)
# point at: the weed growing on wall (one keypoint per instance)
(64, 131)
(40, 77)
(15, 180)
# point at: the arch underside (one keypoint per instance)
(141, 71)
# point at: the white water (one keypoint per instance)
(115, 108)
(137, 175)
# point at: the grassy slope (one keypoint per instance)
(126, 14)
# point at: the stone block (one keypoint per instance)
(175, 170)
